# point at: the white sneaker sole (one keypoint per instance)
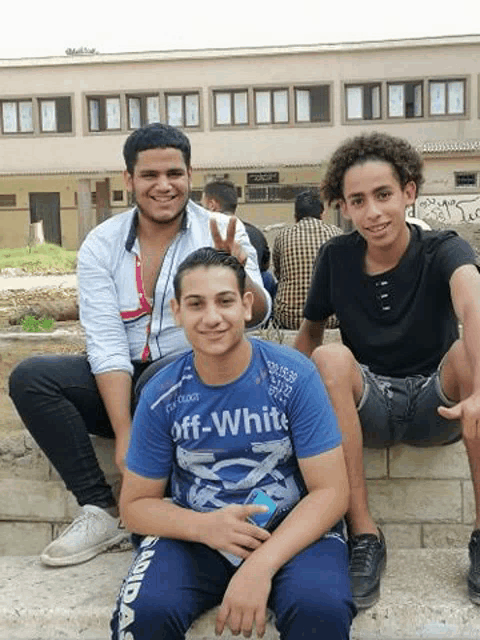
(83, 556)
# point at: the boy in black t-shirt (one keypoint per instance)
(402, 373)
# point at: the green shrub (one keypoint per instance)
(33, 324)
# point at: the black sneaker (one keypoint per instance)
(474, 573)
(368, 558)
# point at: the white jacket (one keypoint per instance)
(120, 325)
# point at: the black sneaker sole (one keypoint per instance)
(365, 602)
(473, 595)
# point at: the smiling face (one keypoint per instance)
(375, 202)
(161, 184)
(213, 313)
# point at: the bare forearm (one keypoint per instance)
(471, 331)
(309, 337)
(311, 518)
(260, 305)
(115, 388)
(159, 517)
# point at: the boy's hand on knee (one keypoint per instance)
(244, 604)
(228, 529)
(468, 412)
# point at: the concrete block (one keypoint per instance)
(24, 538)
(375, 463)
(468, 503)
(445, 536)
(32, 501)
(404, 501)
(403, 536)
(20, 457)
(429, 462)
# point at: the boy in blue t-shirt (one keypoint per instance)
(229, 417)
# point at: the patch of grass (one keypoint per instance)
(35, 325)
(40, 259)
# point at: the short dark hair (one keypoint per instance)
(308, 204)
(155, 136)
(209, 257)
(225, 192)
(406, 162)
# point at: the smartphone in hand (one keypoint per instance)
(263, 519)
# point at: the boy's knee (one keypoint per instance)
(334, 362)
(328, 612)
(22, 375)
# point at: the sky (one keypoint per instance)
(49, 27)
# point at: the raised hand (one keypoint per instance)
(228, 243)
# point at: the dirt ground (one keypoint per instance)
(13, 352)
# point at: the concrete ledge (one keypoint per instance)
(424, 595)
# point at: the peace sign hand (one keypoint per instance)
(228, 244)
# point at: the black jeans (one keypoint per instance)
(59, 403)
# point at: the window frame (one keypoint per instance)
(307, 87)
(466, 187)
(272, 90)
(350, 84)
(231, 91)
(405, 81)
(102, 98)
(143, 97)
(183, 93)
(36, 101)
(8, 204)
(447, 80)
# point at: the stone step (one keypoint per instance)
(421, 497)
(424, 596)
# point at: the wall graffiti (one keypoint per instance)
(449, 209)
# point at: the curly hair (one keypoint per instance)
(404, 159)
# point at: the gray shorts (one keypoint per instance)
(394, 410)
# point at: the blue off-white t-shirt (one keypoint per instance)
(220, 442)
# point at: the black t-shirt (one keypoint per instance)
(259, 242)
(401, 322)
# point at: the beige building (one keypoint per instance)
(267, 118)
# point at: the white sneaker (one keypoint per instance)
(91, 533)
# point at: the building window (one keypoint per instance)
(231, 107)
(55, 115)
(363, 102)
(312, 104)
(142, 109)
(275, 192)
(17, 116)
(8, 200)
(464, 179)
(271, 106)
(405, 100)
(104, 113)
(117, 195)
(183, 109)
(447, 97)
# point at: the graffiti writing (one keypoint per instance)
(449, 209)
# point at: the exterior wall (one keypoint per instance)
(298, 151)
(15, 222)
